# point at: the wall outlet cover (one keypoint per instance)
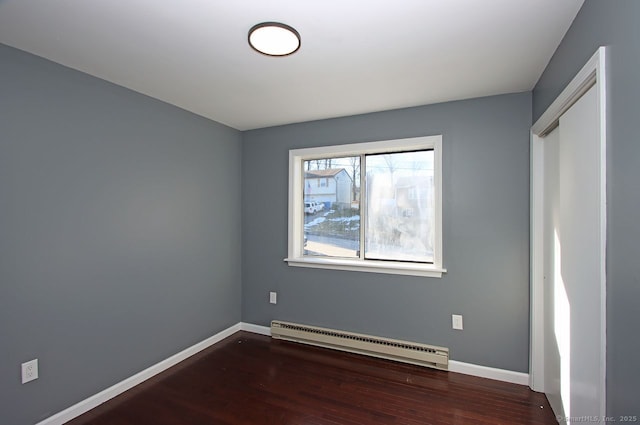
(29, 371)
(456, 321)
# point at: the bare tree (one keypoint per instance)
(388, 159)
(354, 162)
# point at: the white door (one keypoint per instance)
(574, 262)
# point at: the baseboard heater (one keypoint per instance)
(392, 349)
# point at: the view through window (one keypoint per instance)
(383, 202)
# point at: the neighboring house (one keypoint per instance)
(332, 187)
(414, 196)
(405, 197)
(404, 209)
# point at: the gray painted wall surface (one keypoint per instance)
(486, 234)
(119, 233)
(614, 24)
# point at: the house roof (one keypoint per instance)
(331, 172)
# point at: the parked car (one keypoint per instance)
(319, 206)
(309, 208)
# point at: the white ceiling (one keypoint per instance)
(357, 56)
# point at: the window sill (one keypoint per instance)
(370, 266)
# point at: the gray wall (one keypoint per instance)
(486, 234)
(615, 24)
(119, 233)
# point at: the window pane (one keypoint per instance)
(400, 206)
(332, 207)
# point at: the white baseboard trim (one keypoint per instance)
(122, 386)
(85, 405)
(454, 366)
(256, 329)
(489, 372)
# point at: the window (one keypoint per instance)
(382, 209)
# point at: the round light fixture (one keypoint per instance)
(274, 39)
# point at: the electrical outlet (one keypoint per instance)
(456, 321)
(29, 371)
(273, 297)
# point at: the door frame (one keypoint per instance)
(592, 74)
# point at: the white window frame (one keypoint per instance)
(296, 256)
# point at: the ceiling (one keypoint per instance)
(357, 56)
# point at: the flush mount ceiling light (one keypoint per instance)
(274, 39)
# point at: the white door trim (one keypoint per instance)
(536, 336)
(593, 73)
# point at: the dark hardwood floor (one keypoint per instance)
(252, 379)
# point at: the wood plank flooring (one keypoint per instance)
(252, 379)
